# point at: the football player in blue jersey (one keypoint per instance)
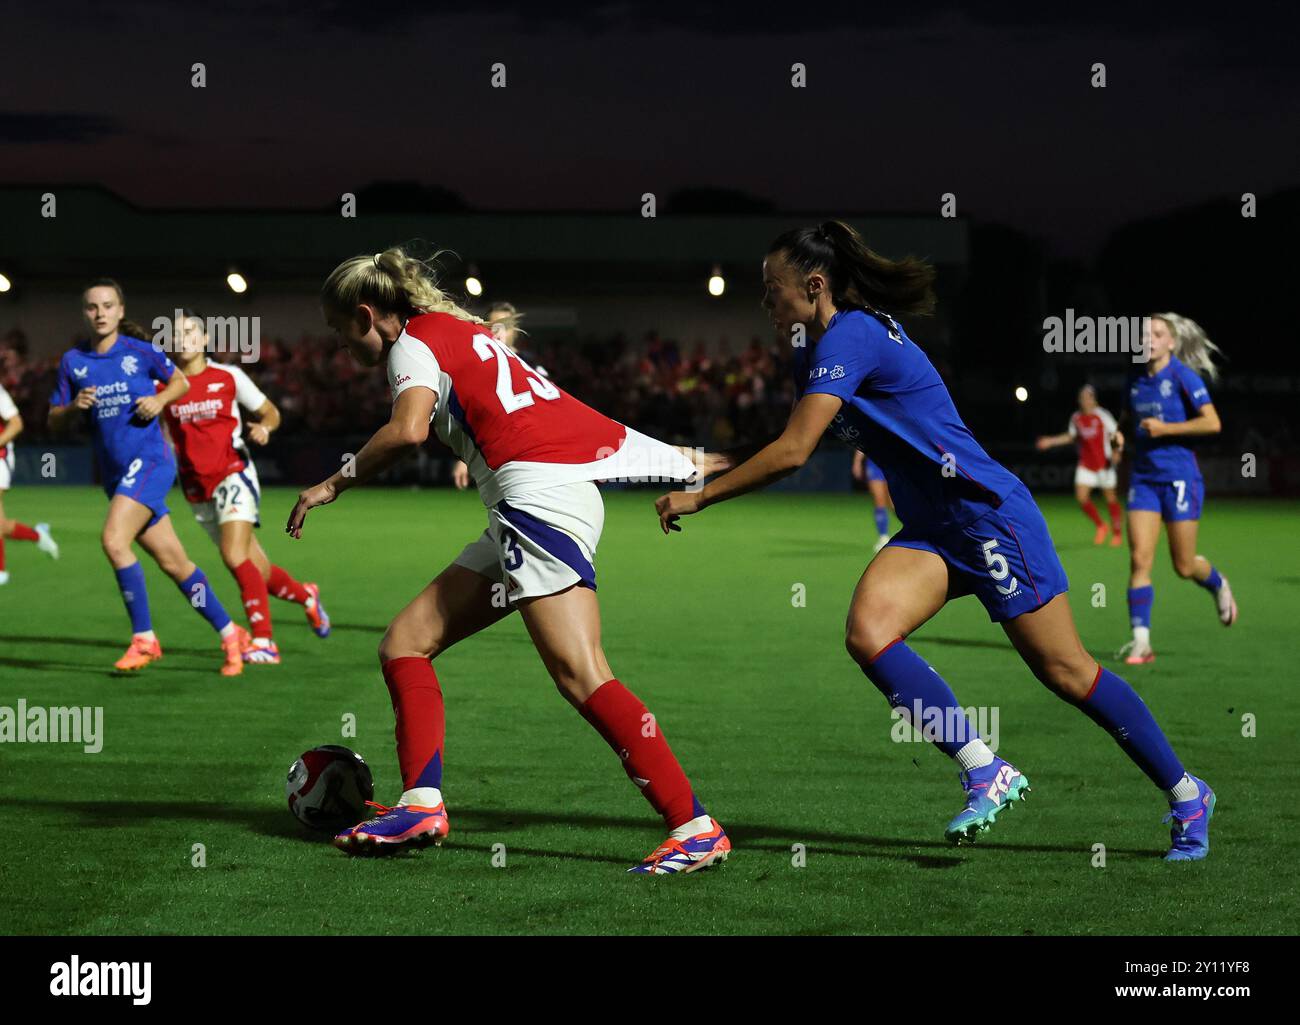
(969, 526)
(864, 470)
(1170, 405)
(110, 381)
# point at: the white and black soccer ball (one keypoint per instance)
(328, 787)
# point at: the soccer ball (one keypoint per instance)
(328, 787)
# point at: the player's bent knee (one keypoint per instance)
(116, 548)
(865, 637)
(1072, 679)
(232, 558)
(176, 568)
(400, 642)
(576, 679)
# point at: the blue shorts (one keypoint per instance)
(147, 482)
(1005, 558)
(873, 471)
(1174, 500)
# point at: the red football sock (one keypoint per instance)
(22, 532)
(1090, 511)
(421, 721)
(2, 554)
(257, 606)
(1116, 516)
(633, 733)
(282, 585)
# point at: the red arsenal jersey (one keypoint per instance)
(8, 410)
(516, 430)
(205, 427)
(1091, 433)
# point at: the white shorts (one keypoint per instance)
(237, 498)
(7, 469)
(1094, 478)
(542, 543)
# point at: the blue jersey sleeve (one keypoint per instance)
(63, 389)
(1193, 387)
(842, 361)
(160, 365)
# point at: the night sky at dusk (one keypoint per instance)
(902, 104)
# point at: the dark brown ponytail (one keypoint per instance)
(860, 278)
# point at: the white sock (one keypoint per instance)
(145, 635)
(261, 642)
(975, 754)
(425, 797)
(687, 829)
(1184, 790)
(228, 629)
(1142, 634)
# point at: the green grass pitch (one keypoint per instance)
(785, 740)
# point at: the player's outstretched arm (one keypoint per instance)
(791, 450)
(403, 434)
(859, 469)
(12, 428)
(1206, 422)
(1053, 441)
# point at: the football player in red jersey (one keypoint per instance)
(11, 425)
(534, 452)
(1094, 431)
(503, 319)
(220, 481)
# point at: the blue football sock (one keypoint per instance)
(130, 581)
(1213, 582)
(912, 686)
(1140, 600)
(882, 520)
(199, 594)
(431, 774)
(1115, 707)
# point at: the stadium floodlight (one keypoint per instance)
(237, 282)
(473, 285)
(1022, 394)
(5, 283)
(717, 283)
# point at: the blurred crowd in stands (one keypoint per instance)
(712, 395)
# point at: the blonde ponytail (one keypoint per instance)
(1191, 344)
(390, 281)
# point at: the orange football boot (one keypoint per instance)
(138, 655)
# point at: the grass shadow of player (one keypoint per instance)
(44, 665)
(83, 642)
(481, 828)
(751, 836)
